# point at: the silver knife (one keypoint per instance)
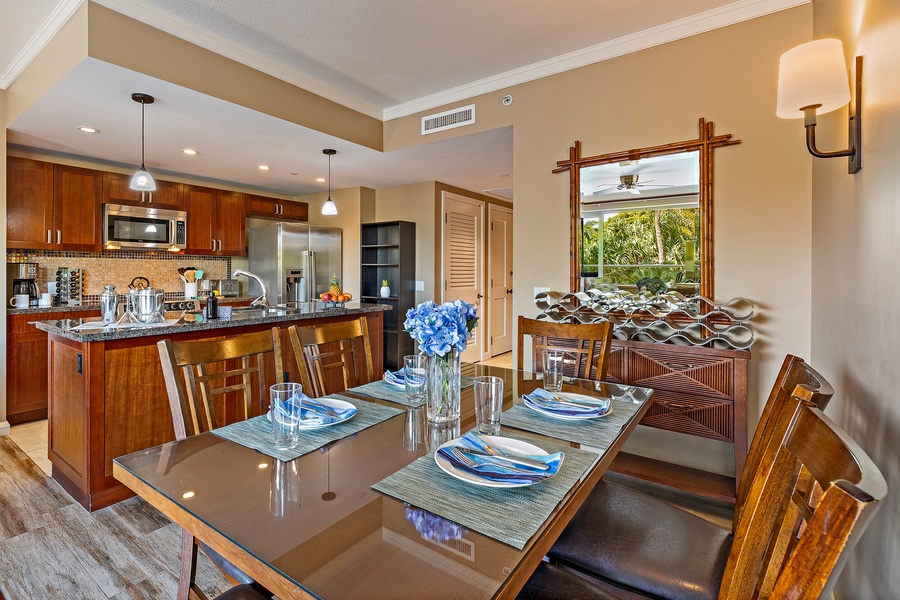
(528, 462)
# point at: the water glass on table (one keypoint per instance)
(553, 361)
(285, 403)
(414, 369)
(488, 404)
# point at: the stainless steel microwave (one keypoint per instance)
(144, 227)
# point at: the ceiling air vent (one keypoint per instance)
(448, 119)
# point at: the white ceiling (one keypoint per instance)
(385, 58)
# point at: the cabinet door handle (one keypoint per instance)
(49, 237)
(276, 210)
(220, 245)
(678, 366)
(214, 244)
(149, 197)
(58, 237)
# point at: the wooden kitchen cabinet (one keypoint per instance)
(77, 208)
(26, 365)
(117, 190)
(29, 203)
(216, 221)
(278, 210)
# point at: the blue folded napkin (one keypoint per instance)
(493, 470)
(313, 412)
(396, 378)
(545, 401)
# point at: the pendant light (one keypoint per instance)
(329, 208)
(142, 180)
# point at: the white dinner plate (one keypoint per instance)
(503, 443)
(330, 403)
(574, 397)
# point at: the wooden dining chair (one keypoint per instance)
(199, 375)
(802, 516)
(588, 343)
(333, 358)
(662, 552)
(624, 536)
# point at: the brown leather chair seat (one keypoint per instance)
(552, 581)
(637, 542)
(243, 591)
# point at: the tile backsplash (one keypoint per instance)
(120, 267)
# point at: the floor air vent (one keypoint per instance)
(448, 119)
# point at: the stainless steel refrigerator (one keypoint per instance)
(294, 259)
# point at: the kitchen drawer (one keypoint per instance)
(694, 415)
(683, 372)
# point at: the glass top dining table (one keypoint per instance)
(314, 527)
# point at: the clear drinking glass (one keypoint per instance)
(285, 403)
(488, 404)
(415, 368)
(553, 361)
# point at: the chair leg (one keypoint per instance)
(187, 589)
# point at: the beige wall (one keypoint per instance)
(413, 203)
(763, 185)
(855, 275)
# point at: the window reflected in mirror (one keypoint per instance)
(640, 224)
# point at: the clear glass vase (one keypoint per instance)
(443, 387)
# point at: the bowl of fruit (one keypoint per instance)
(334, 297)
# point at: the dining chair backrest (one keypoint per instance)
(803, 515)
(587, 343)
(333, 357)
(814, 390)
(197, 371)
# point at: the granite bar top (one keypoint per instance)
(82, 330)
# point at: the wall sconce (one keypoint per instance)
(812, 78)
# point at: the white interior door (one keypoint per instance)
(499, 297)
(463, 249)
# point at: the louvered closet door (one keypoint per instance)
(463, 248)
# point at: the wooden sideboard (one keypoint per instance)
(699, 391)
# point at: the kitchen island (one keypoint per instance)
(107, 395)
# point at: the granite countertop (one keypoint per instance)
(82, 330)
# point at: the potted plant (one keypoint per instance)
(385, 289)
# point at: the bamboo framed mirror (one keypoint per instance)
(614, 197)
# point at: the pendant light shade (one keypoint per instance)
(329, 208)
(142, 181)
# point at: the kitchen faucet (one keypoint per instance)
(263, 300)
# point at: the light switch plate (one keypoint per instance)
(420, 286)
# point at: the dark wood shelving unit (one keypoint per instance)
(388, 251)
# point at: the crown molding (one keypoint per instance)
(57, 19)
(146, 13)
(731, 14)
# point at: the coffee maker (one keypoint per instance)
(20, 280)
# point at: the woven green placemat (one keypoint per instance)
(383, 390)
(599, 432)
(256, 433)
(510, 515)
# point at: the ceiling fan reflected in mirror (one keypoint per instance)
(628, 183)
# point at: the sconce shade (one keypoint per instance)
(812, 74)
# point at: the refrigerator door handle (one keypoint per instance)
(311, 273)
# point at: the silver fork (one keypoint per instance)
(471, 463)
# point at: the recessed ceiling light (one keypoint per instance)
(189, 151)
(88, 129)
(187, 495)
(320, 179)
(263, 167)
(295, 173)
